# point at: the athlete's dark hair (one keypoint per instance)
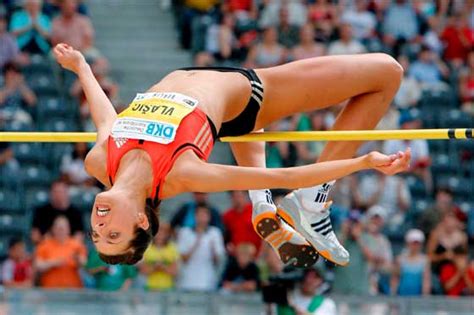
(140, 242)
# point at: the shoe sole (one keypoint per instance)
(268, 228)
(294, 223)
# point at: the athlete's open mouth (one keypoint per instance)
(102, 212)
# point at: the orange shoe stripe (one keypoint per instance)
(276, 239)
(264, 215)
(286, 217)
(288, 236)
(272, 237)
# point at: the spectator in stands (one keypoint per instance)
(308, 152)
(160, 261)
(409, 93)
(391, 193)
(466, 85)
(307, 47)
(307, 298)
(470, 278)
(379, 251)
(59, 257)
(342, 199)
(269, 264)
(400, 25)
(74, 29)
(346, 44)
(457, 276)
(32, 28)
(362, 21)
(202, 252)
(270, 15)
(238, 222)
(322, 14)
(288, 34)
(241, 273)
(72, 167)
(445, 241)
(8, 164)
(280, 154)
(186, 215)
(14, 94)
(53, 7)
(429, 70)
(222, 45)
(110, 277)
(241, 5)
(16, 270)
(8, 46)
(194, 15)
(421, 161)
(268, 52)
(431, 36)
(354, 278)
(458, 39)
(412, 270)
(444, 203)
(59, 205)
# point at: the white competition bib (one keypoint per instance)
(153, 117)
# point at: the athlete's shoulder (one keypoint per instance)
(95, 162)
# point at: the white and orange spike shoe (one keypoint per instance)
(314, 225)
(291, 247)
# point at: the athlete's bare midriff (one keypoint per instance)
(221, 95)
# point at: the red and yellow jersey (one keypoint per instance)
(164, 125)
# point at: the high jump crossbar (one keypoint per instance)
(271, 136)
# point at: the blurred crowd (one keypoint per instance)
(407, 234)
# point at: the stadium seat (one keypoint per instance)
(83, 199)
(39, 65)
(34, 197)
(9, 201)
(416, 186)
(35, 175)
(436, 146)
(462, 188)
(443, 164)
(18, 126)
(455, 119)
(12, 224)
(4, 246)
(55, 153)
(43, 85)
(29, 153)
(432, 100)
(58, 125)
(50, 107)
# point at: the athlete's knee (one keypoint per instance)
(392, 70)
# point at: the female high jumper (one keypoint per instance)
(157, 148)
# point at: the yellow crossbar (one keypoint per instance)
(353, 135)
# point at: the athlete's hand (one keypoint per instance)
(389, 164)
(68, 57)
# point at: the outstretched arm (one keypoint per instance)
(102, 110)
(214, 177)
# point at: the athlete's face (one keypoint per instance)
(114, 219)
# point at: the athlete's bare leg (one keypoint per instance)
(370, 82)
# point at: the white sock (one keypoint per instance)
(261, 195)
(314, 198)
